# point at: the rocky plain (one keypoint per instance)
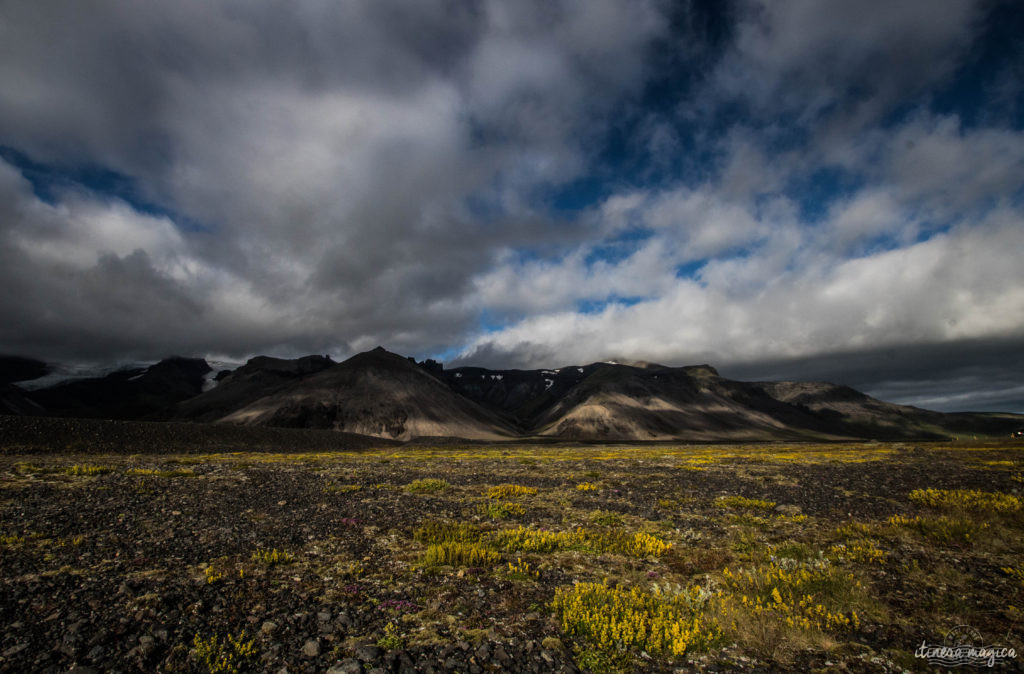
(132, 548)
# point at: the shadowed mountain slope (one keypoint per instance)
(15, 400)
(259, 377)
(626, 403)
(374, 393)
(644, 401)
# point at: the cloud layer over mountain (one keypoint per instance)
(777, 188)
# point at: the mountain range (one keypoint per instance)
(383, 394)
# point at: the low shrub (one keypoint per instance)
(614, 620)
(522, 571)
(274, 556)
(224, 657)
(459, 554)
(805, 596)
(862, 551)
(499, 510)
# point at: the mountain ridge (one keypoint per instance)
(383, 394)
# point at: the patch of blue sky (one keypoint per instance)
(621, 155)
(815, 192)
(930, 230)
(445, 355)
(596, 306)
(886, 241)
(619, 248)
(995, 62)
(48, 181)
(580, 194)
(489, 322)
(690, 270)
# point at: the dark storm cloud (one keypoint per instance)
(326, 150)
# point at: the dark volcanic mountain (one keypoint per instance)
(615, 402)
(126, 394)
(375, 393)
(382, 394)
(260, 377)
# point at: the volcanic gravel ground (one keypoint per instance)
(112, 571)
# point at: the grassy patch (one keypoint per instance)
(860, 552)
(341, 488)
(509, 490)
(429, 485)
(459, 554)
(446, 532)
(532, 540)
(501, 510)
(942, 529)
(743, 502)
(606, 518)
(966, 499)
(180, 472)
(858, 530)
(794, 550)
(805, 596)
(87, 469)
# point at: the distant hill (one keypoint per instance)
(382, 394)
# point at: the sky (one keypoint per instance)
(785, 190)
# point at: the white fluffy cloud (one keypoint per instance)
(891, 298)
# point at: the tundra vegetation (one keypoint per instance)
(508, 558)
